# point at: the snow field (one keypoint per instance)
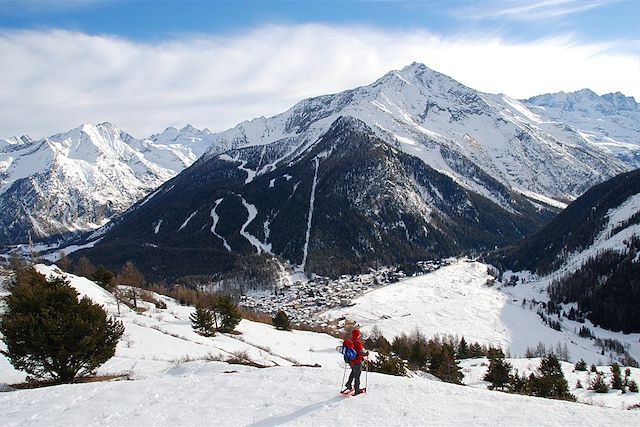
(177, 381)
(455, 300)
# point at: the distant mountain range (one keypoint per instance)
(78, 180)
(415, 165)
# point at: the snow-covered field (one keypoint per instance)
(177, 380)
(455, 300)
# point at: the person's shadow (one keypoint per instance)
(281, 419)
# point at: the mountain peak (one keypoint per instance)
(585, 100)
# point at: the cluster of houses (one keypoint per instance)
(303, 301)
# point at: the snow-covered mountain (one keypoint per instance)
(610, 121)
(413, 166)
(439, 120)
(79, 179)
(344, 203)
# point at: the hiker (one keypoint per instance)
(356, 364)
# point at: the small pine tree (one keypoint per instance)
(281, 321)
(229, 314)
(448, 369)
(50, 334)
(389, 364)
(203, 322)
(581, 365)
(550, 380)
(633, 386)
(578, 384)
(463, 349)
(598, 385)
(103, 277)
(498, 371)
(518, 383)
(616, 377)
(594, 369)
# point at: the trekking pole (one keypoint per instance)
(366, 375)
(344, 373)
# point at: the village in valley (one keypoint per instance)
(304, 300)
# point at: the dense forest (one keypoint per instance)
(606, 288)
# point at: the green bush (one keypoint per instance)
(281, 321)
(50, 334)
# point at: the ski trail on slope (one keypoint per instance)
(255, 242)
(309, 217)
(184, 224)
(216, 218)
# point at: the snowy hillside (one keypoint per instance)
(455, 300)
(435, 118)
(177, 380)
(610, 121)
(588, 253)
(79, 179)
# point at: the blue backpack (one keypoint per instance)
(348, 353)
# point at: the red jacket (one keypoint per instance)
(358, 347)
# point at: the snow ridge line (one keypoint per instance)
(310, 216)
(216, 218)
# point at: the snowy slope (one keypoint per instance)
(437, 119)
(79, 179)
(177, 382)
(455, 300)
(610, 121)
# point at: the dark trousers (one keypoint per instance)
(354, 376)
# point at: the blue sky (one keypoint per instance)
(156, 19)
(145, 64)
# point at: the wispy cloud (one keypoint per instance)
(528, 10)
(55, 80)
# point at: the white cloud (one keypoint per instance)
(529, 10)
(52, 81)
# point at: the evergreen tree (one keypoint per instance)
(633, 386)
(498, 371)
(581, 365)
(202, 321)
(616, 377)
(281, 321)
(448, 369)
(463, 349)
(389, 364)
(50, 334)
(598, 385)
(229, 313)
(518, 383)
(475, 350)
(103, 277)
(550, 380)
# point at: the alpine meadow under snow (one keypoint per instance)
(177, 377)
